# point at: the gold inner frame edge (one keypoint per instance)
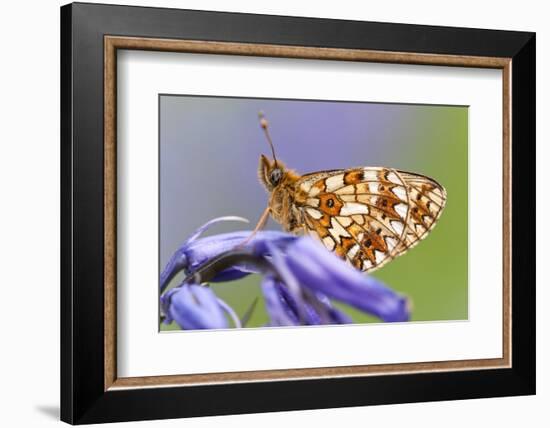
(113, 43)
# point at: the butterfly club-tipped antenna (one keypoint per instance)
(265, 215)
(265, 126)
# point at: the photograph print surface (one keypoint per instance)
(356, 212)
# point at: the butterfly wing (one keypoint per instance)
(369, 216)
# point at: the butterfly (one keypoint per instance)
(368, 215)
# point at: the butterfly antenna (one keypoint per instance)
(264, 124)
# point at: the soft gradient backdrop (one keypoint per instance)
(209, 151)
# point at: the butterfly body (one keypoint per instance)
(367, 215)
(283, 197)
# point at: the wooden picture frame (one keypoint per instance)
(91, 391)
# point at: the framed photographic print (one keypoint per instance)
(320, 213)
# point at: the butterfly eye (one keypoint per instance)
(275, 176)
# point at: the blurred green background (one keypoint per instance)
(209, 150)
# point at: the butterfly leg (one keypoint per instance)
(261, 223)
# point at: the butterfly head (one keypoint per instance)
(271, 172)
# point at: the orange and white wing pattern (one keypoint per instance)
(369, 216)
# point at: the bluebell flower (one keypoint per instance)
(280, 306)
(307, 307)
(300, 279)
(322, 271)
(195, 307)
(283, 309)
(197, 251)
